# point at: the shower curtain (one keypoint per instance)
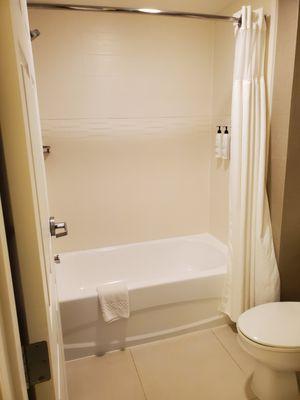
(252, 269)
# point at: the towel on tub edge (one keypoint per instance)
(114, 301)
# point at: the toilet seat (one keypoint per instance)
(274, 325)
(265, 348)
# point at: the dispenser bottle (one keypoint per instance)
(218, 143)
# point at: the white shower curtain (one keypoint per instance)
(252, 269)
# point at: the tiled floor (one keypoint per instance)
(205, 365)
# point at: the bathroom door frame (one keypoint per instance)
(12, 374)
(27, 192)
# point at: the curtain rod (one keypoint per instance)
(128, 10)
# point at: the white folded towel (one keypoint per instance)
(114, 301)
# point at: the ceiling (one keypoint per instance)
(204, 6)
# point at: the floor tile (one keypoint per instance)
(110, 377)
(228, 337)
(192, 367)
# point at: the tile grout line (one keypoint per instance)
(231, 356)
(227, 351)
(137, 372)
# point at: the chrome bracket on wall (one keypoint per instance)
(46, 149)
(34, 34)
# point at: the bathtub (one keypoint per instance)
(174, 287)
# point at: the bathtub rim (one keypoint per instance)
(89, 291)
(208, 238)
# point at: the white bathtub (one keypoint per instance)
(174, 287)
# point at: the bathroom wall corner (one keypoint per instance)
(289, 258)
(281, 106)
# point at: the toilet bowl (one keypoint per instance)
(270, 333)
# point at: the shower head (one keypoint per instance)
(34, 34)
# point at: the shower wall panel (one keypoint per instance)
(126, 104)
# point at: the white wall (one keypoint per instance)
(126, 106)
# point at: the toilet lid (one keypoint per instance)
(272, 324)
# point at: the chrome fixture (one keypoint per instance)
(56, 259)
(34, 34)
(129, 10)
(57, 226)
(46, 149)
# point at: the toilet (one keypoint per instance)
(270, 333)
